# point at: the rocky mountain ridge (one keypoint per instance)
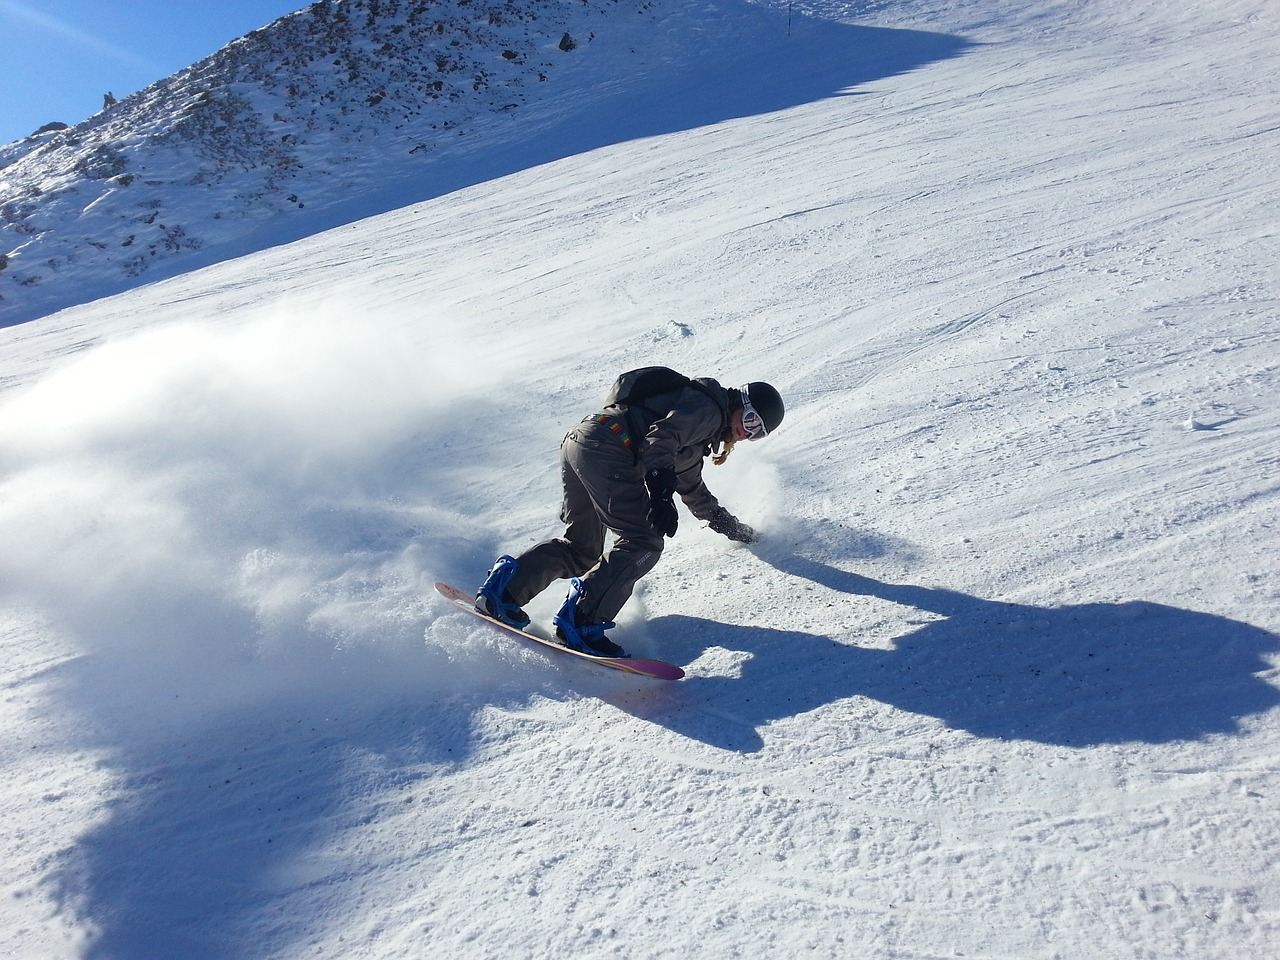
(307, 113)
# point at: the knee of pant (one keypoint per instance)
(651, 541)
(644, 551)
(584, 556)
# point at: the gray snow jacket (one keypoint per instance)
(678, 430)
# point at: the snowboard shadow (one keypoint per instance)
(1073, 676)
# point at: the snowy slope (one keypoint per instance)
(350, 108)
(1001, 680)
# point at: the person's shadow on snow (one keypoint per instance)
(1075, 676)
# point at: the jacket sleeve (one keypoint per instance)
(692, 422)
(680, 440)
(693, 491)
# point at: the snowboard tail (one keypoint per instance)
(658, 669)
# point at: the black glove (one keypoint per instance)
(662, 511)
(722, 521)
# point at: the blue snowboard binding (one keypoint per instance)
(585, 638)
(492, 598)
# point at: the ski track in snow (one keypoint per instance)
(1001, 680)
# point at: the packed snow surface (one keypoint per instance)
(1000, 680)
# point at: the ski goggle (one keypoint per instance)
(752, 422)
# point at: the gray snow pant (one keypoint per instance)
(603, 491)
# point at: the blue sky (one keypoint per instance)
(58, 57)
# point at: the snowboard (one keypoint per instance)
(658, 669)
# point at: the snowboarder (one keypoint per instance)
(621, 468)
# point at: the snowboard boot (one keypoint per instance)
(493, 600)
(586, 638)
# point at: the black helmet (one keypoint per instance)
(762, 399)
